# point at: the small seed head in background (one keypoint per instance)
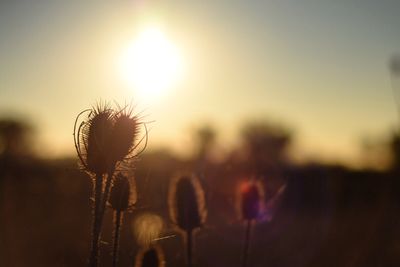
(123, 193)
(186, 203)
(251, 199)
(150, 257)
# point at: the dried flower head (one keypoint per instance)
(123, 193)
(186, 203)
(151, 257)
(251, 200)
(106, 137)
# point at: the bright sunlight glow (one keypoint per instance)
(151, 63)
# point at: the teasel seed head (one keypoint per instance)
(186, 203)
(150, 257)
(107, 137)
(124, 134)
(97, 140)
(123, 193)
(251, 200)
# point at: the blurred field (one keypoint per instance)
(329, 216)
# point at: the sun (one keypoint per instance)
(151, 63)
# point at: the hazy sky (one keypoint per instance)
(320, 67)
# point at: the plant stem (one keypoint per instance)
(117, 231)
(106, 191)
(189, 246)
(105, 195)
(246, 243)
(94, 253)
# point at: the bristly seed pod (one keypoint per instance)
(186, 203)
(251, 200)
(151, 257)
(107, 137)
(122, 195)
(124, 133)
(96, 133)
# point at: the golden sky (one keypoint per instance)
(320, 68)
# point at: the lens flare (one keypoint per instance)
(147, 227)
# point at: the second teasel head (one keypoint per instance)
(124, 133)
(123, 193)
(186, 202)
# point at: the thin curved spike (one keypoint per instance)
(78, 139)
(76, 121)
(76, 135)
(146, 138)
(79, 145)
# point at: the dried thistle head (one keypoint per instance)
(123, 193)
(106, 137)
(124, 134)
(251, 197)
(150, 257)
(186, 203)
(92, 139)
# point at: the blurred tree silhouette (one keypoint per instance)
(266, 144)
(395, 150)
(394, 68)
(205, 140)
(14, 138)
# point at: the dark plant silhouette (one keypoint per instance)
(187, 208)
(251, 204)
(103, 140)
(394, 68)
(122, 198)
(152, 256)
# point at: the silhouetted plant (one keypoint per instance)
(152, 256)
(104, 139)
(187, 208)
(251, 206)
(122, 198)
